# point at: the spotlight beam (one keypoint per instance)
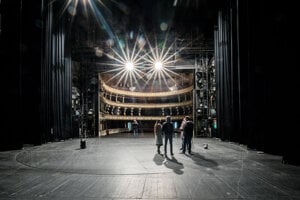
(100, 18)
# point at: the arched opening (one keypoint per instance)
(55, 52)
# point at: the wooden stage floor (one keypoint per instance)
(129, 168)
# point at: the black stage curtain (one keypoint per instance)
(56, 87)
(255, 45)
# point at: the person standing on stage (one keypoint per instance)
(188, 135)
(135, 127)
(158, 135)
(168, 131)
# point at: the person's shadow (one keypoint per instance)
(202, 161)
(158, 159)
(172, 163)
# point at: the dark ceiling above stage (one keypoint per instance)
(94, 24)
(181, 15)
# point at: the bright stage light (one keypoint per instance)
(134, 66)
(129, 66)
(158, 65)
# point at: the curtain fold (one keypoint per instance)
(56, 110)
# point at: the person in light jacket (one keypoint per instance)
(181, 128)
(158, 135)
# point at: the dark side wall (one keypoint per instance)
(20, 52)
(10, 70)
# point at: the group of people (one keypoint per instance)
(166, 130)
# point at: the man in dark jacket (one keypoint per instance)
(188, 135)
(168, 131)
